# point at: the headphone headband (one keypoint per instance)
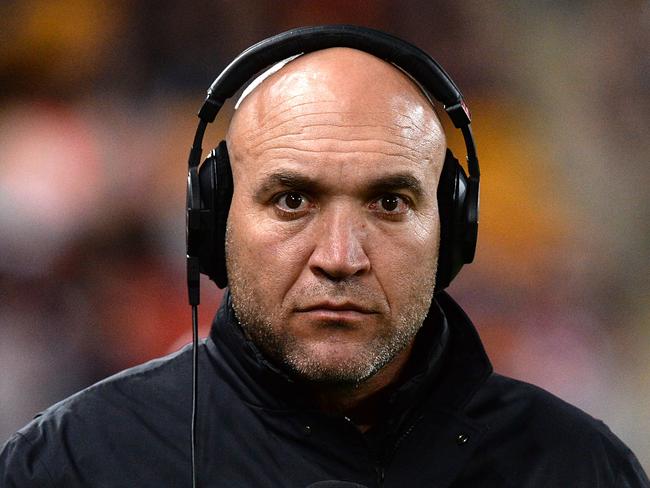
(408, 57)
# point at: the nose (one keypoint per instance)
(339, 246)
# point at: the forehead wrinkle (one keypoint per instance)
(263, 134)
(265, 137)
(347, 153)
(298, 143)
(342, 114)
(273, 114)
(409, 153)
(264, 119)
(339, 139)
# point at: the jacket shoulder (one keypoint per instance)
(161, 382)
(532, 431)
(108, 425)
(536, 410)
(19, 467)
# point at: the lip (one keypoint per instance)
(336, 308)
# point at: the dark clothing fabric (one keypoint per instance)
(454, 423)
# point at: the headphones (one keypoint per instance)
(210, 186)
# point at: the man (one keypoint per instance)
(330, 358)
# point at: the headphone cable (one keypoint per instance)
(195, 386)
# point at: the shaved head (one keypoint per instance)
(338, 78)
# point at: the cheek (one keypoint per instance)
(406, 260)
(270, 253)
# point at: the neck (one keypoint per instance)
(363, 403)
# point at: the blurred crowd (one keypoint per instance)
(97, 112)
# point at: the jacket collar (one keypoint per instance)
(466, 365)
(448, 365)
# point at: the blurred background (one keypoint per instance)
(97, 112)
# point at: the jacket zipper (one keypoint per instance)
(379, 470)
(380, 466)
(404, 436)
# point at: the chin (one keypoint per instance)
(335, 364)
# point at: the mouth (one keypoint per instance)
(336, 308)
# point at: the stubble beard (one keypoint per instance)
(263, 325)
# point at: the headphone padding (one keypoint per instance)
(452, 192)
(215, 177)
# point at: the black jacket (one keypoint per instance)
(454, 423)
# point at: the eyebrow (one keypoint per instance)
(395, 182)
(286, 179)
(292, 180)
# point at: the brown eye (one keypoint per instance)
(293, 200)
(391, 206)
(389, 202)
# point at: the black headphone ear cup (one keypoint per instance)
(452, 208)
(215, 178)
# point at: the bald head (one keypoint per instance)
(353, 87)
